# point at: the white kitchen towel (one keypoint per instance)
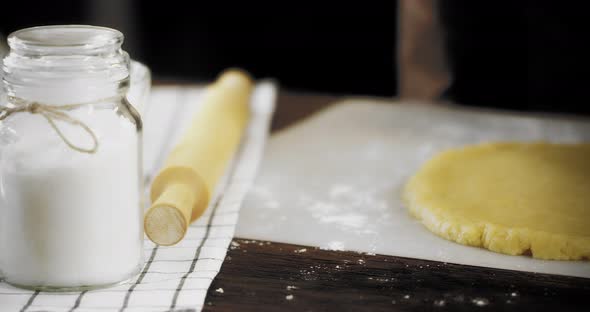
(174, 278)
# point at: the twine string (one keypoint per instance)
(54, 113)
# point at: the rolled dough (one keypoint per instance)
(512, 198)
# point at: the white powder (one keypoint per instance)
(334, 245)
(70, 219)
(234, 245)
(346, 207)
(439, 303)
(480, 302)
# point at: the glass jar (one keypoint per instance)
(70, 161)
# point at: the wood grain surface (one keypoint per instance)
(262, 276)
(265, 276)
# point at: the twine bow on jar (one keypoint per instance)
(52, 114)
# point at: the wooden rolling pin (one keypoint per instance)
(181, 191)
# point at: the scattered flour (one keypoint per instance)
(334, 245)
(346, 207)
(439, 303)
(480, 302)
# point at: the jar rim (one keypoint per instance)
(65, 37)
(50, 58)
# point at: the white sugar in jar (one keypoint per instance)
(70, 161)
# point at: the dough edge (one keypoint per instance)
(498, 238)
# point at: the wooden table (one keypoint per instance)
(266, 276)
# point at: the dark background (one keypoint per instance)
(526, 55)
(325, 46)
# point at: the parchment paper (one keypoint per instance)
(334, 180)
